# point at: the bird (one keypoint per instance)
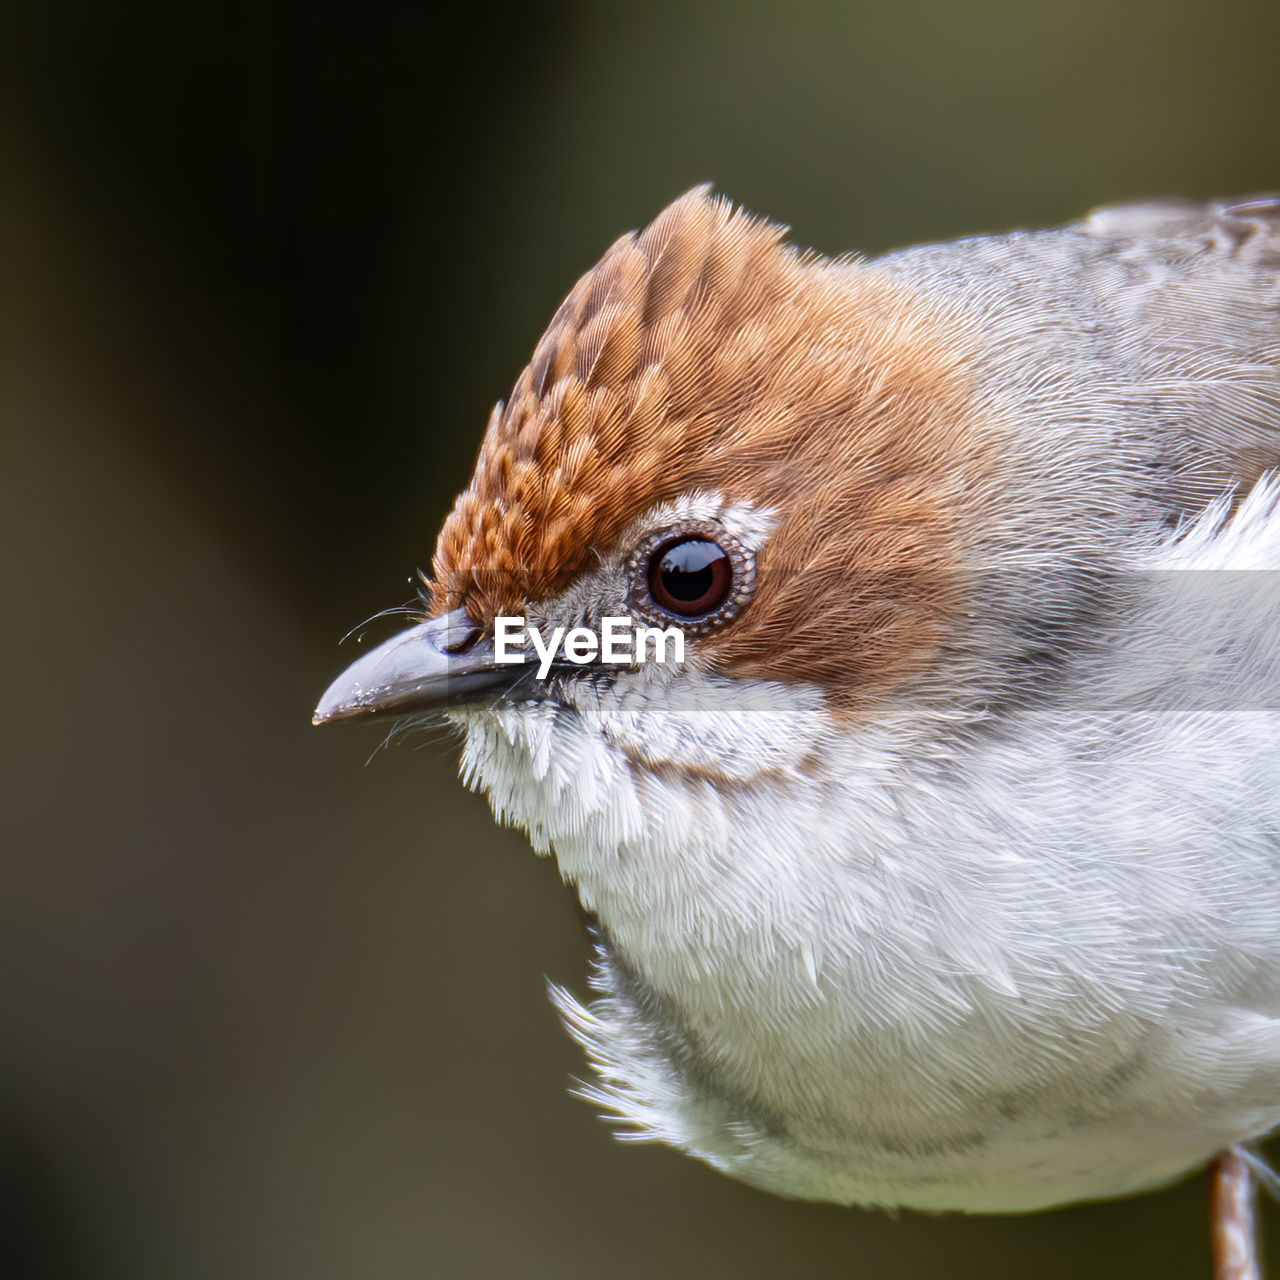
(942, 872)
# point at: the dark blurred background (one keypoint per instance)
(267, 1011)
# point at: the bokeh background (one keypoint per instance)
(272, 999)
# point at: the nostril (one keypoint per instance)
(460, 637)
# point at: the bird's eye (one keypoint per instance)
(690, 577)
(695, 574)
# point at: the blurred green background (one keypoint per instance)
(270, 1012)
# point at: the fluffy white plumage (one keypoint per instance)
(997, 968)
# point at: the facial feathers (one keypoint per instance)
(703, 354)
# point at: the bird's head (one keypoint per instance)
(785, 457)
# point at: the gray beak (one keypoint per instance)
(434, 664)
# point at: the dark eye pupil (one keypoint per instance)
(690, 576)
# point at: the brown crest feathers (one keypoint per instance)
(704, 354)
(589, 425)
